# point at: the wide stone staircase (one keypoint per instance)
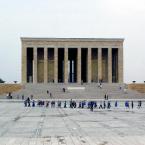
(76, 91)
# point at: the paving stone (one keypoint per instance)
(65, 126)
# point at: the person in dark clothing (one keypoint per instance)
(104, 105)
(91, 106)
(107, 97)
(53, 104)
(47, 104)
(100, 107)
(83, 104)
(59, 104)
(108, 105)
(116, 104)
(80, 104)
(132, 104)
(75, 104)
(71, 104)
(63, 90)
(139, 104)
(25, 103)
(33, 103)
(22, 97)
(95, 104)
(65, 104)
(126, 104)
(28, 101)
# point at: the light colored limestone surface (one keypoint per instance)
(66, 43)
(47, 126)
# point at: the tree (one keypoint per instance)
(2, 81)
(15, 82)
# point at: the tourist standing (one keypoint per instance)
(132, 104)
(25, 103)
(109, 105)
(28, 101)
(33, 103)
(104, 105)
(91, 106)
(65, 104)
(139, 104)
(127, 104)
(116, 104)
(22, 97)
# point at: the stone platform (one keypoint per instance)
(65, 126)
(89, 91)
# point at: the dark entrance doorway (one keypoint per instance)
(84, 52)
(61, 65)
(115, 65)
(72, 65)
(105, 64)
(29, 65)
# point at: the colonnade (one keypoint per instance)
(79, 61)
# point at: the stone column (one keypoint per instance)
(79, 65)
(120, 64)
(24, 64)
(35, 65)
(45, 65)
(89, 68)
(65, 65)
(56, 65)
(109, 65)
(99, 64)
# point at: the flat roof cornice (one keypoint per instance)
(70, 39)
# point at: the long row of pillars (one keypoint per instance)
(89, 71)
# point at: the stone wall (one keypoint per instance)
(137, 87)
(6, 88)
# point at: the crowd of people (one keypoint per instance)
(104, 104)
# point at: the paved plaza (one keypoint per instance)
(65, 126)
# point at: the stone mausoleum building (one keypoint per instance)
(72, 60)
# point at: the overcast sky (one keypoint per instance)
(72, 18)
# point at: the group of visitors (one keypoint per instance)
(128, 105)
(106, 97)
(106, 104)
(100, 85)
(49, 93)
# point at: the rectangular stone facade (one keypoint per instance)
(72, 60)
